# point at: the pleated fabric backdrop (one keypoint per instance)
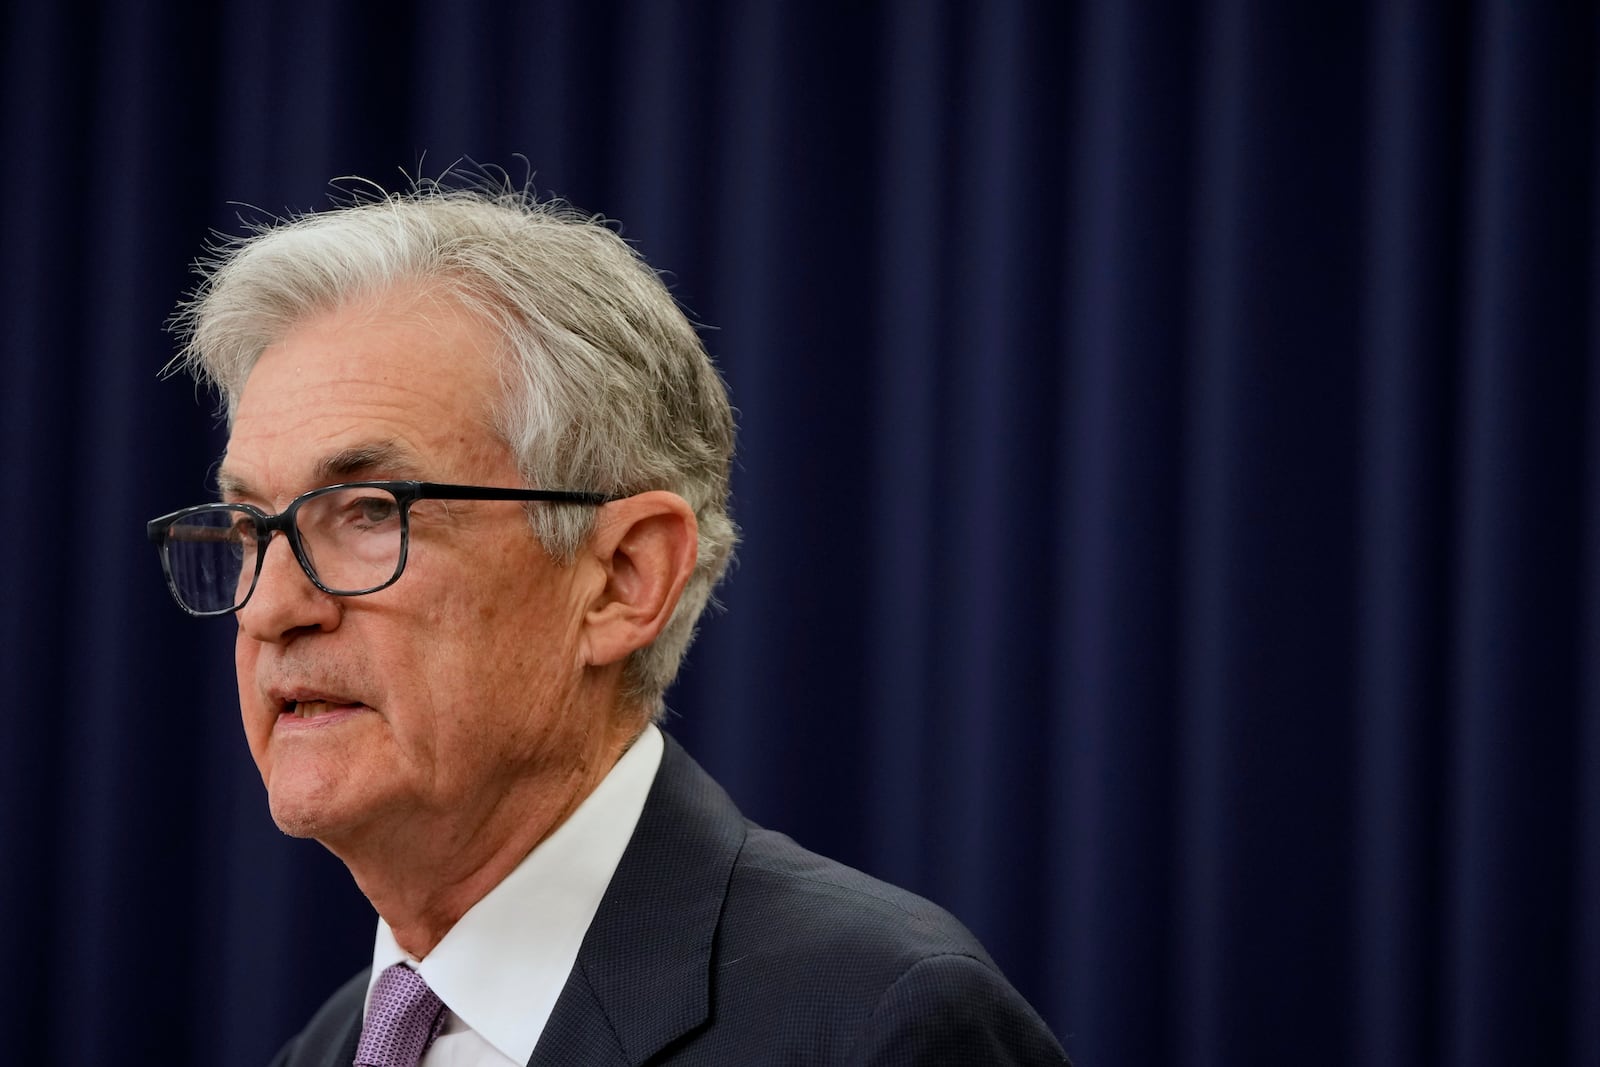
(1169, 473)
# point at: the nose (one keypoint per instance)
(285, 602)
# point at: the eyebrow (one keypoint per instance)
(347, 464)
(381, 457)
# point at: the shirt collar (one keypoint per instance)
(502, 966)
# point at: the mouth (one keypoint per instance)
(308, 707)
(315, 709)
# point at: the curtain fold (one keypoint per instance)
(1410, 306)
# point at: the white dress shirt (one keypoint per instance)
(501, 967)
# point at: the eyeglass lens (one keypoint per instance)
(351, 539)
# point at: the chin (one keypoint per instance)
(296, 823)
(298, 817)
(307, 805)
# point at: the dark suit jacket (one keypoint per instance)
(721, 943)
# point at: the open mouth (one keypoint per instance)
(313, 709)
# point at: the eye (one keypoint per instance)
(376, 510)
(350, 512)
(372, 511)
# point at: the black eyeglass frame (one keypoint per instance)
(405, 493)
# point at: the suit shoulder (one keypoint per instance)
(952, 1009)
(829, 905)
(823, 963)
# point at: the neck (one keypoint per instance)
(423, 876)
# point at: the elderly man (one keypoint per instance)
(498, 458)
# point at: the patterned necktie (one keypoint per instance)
(402, 1020)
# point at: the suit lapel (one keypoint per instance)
(345, 1052)
(331, 1037)
(643, 975)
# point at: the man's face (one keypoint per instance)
(428, 703)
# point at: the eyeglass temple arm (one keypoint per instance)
(446, 491)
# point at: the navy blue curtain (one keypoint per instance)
(1169, 472)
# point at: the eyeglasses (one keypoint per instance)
(350, 539)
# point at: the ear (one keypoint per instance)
(645, 546)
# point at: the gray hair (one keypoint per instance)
(606, 385)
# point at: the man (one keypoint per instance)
(497, 456)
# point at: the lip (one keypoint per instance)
(325, 707)
(330, 715)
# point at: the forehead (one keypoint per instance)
(409, 378)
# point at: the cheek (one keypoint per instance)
(486, 646)
(502, 604)
(503, 664)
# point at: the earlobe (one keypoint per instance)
(645, 546)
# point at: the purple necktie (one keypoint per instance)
(402, 1020)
